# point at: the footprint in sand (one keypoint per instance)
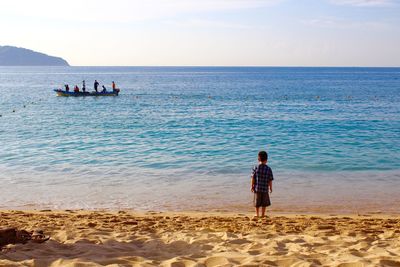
(326, 227)
(390, 263)
(216, 261)
(179, 245)
(351, 264)
(239, 241)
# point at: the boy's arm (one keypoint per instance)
(253, 179)
(271, 178)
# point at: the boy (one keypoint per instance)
(261, 180)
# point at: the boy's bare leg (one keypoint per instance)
(263, 211)
(258, 211)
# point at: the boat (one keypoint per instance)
(80, 93)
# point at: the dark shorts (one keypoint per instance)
(261, 200)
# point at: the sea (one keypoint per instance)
(186, 138)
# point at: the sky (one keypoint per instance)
(207, 32)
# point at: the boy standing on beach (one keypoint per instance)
(261, 181)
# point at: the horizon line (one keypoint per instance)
(207, 66)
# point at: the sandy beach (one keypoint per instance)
(124, 238)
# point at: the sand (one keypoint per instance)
(104, 238)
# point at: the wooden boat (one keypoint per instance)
(80, 93)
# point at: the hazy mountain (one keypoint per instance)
(15, 56)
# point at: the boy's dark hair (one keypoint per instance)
(263, 155)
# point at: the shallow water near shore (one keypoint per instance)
(186, 138)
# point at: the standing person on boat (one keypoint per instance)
(83, 86)
(66, 88)
(114, 88)
(96, 85)
(76, 89)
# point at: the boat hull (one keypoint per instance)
(77, 94)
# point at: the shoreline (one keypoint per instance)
(276, 209)
(214, 212)
(190, 238)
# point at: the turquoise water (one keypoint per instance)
(186, 138)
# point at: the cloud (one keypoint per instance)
(123, 10)
(363, 3)
(343, 23)
(202, 23)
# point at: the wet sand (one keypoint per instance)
(123, 238)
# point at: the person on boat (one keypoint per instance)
(66, 88)
(113, 86)
(83, 86)
(104, 89)
(96, 85)
(76, 89)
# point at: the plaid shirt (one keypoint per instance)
(261, 175)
